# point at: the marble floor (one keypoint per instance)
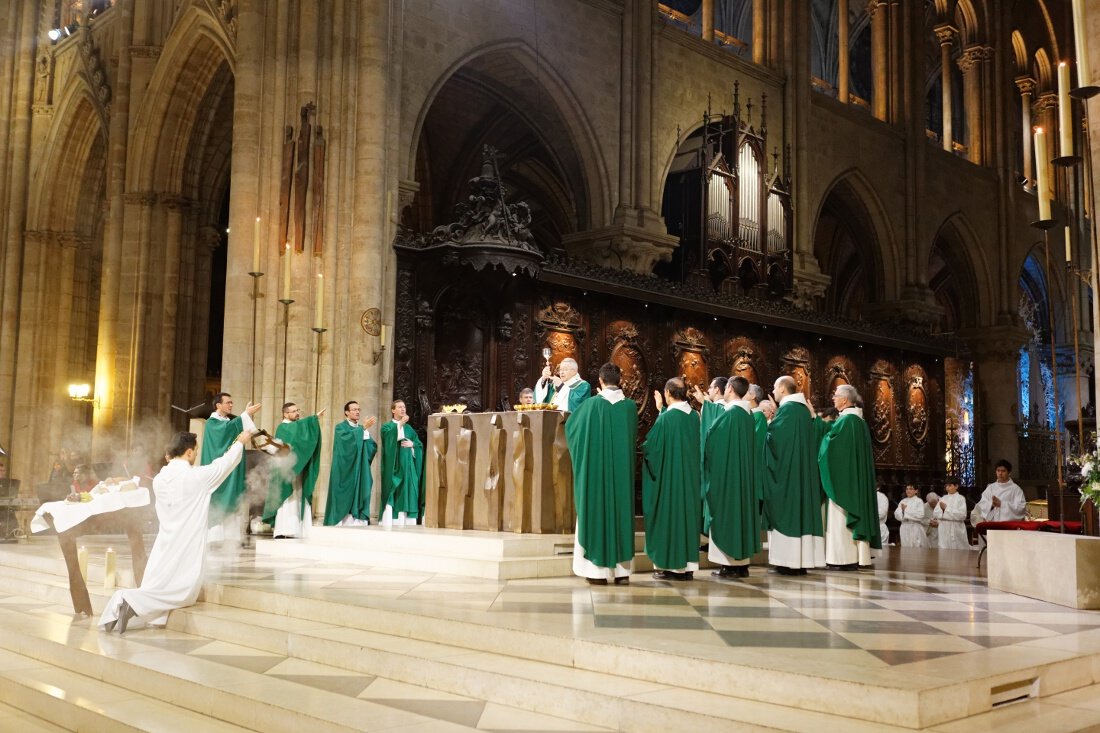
(922, 618)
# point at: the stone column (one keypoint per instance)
(643, 105)
(970, 64)
(708, 20)
(760, 31)
(879, 62)
(774, 10)
(996, 350)
(626, 116)
(173, 245)
(945, 34)
(206, 242)
(843, 57)
(107, 346)
(1026, 85)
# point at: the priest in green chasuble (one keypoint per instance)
(601, 436)
(221, 430)
(792, 491)
(349, 478)
(402, 472)
(729, 484)
(671, 492)
(566, 390)
(847, 464)
(711, 405)
(289, 506)
(763, 410)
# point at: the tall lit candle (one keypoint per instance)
(318, 317)
(256, 246)
(1065, 112)
(1084, 78)
(109, 568)
(382, 337)
(286, 272)
(1069, 246)
(1041, 163)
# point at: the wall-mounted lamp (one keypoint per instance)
(81, 393)
(381, 344)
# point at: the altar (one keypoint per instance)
(499, 471)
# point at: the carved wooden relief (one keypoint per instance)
(882, 403)
(625, 351)
(459, 351)
(562, 327)
(796, 364)
(689, 351)
(916, 405)
(839, 371)
(744, 354)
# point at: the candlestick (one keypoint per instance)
(1065, 112)
(382, 337)
(256, 246)
(1041, 163)
(82, 561)
(109, 569)
(286, 272)
(1084, 78)
(318, 316)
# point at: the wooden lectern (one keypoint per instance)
(499, 471)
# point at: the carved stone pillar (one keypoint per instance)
(945, 34)
(877, 9)
(175, 207)
(996, 351)
(1026, 85)
(971, 65)
(708, 20)
(843, 57)
(206, 242)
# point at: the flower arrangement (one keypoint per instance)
(1090, 474)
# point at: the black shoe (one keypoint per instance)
(597, 581)
(671, 575)
(622, 580)
(803, 571)
(787, 571)
(125, 613)
(704, 547)
(741, 571)
(848, 567)
(726, 571)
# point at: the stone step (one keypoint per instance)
(599, 699)
(75, 702)
(195, 686)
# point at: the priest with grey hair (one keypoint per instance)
(847, 465)
(566, 389)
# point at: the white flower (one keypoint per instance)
(1087, 468)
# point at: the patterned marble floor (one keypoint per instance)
(918, 606)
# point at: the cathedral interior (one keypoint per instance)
(405, 199)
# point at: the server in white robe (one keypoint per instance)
(950, 514)
(1003, 500)
(914, 520)
(931, 501)
(173, 576)
(883, 512)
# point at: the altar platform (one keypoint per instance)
(282, 643)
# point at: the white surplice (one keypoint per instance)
(952, 521)
(914, 522)
(840, 547)
(1013, 504)
(883, 510)
(292, 519)
(174, 573)
(807, 551)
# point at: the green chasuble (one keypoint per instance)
(578, 393)
(601, 437)
(304, 438)
(349, 479)
(708, 413)
(792, 489)
(402, 471)
(217, 438)
(671, 493)
(729, 481)
(847, 465)
(760, 427)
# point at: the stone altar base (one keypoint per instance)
(489, 555)
(1057, 568)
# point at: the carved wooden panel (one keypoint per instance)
(746, 359)
(690, 351)
(626, 351)
(459, 351)
(838, 371)
(916, 406)
(796, 364)
(882, 407)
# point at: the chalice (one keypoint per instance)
(546, 352)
